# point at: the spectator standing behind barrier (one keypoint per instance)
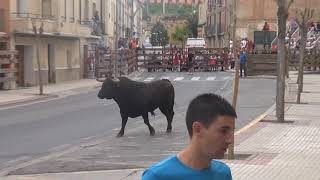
(243, 63)
(266, 35)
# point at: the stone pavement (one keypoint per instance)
(267, 150)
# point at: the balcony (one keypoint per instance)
(22, 22)
(210, 30)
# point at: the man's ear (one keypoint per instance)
(197, 128)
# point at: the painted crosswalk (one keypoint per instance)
(149, 79)
(178, 78)
(165, 77)
(211, 78)
(136, 78)
(183, 78)
(195, 78)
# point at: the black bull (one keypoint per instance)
(138, 99)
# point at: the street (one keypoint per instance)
(33, 131)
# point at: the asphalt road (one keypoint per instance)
(36, 130)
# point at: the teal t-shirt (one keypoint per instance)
(173, 169)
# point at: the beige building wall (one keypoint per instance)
(65, 36)
(202, 13)
(253, 13)
(111, 18)
(251, 16)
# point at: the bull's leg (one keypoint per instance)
(146, 121)
(169, 115)
(123, 125)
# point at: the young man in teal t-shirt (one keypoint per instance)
(210, 123)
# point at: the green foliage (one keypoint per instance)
(192, 25)
(181, 34)
(171, 9)
(159, 35)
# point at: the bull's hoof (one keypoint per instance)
(169, 130)
(152, 133)
(120, 134)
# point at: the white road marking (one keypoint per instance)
(165, 78)
(149, 79)
(178, 78)
(136, 78)
(195, 79)
(211, 78)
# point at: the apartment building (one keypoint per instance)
(251, 16)
(176, 1)
(72, 30)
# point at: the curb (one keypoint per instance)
(256, 120)
(28, 100)
(46, 97)
(263, 115)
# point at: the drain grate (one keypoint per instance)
(241, 157)
(277, 122)
(253, 158)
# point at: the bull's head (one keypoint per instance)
(109, 88)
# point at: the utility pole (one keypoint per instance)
(132, 18)
(116, 40)
(237, 64)
(164, 8)
(34, 26)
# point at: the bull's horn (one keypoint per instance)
(100, 80)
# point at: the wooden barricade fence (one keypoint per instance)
(7, 68)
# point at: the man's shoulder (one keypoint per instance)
(162, 166)
(220, 166)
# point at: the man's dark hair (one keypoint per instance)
(206, 108)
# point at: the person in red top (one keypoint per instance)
(213, 62)
(267, 41)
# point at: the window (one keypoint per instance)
(46, 9)
(86, 10)
(69, 60)
(71, 8)
(220, 28)
(80, 11)
(94, 9)
(22, 8)
(63, 10)
(113, 13)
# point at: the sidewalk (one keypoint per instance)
(31, 94)
(267, 150)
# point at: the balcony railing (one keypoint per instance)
(210, 30)
(35, 16)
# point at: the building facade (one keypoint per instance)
(251, 16)
(176, 1)
(217, 23)
(72, 31)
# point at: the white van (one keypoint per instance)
(196, 42)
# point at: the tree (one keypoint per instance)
(38, 33)
(181, 34)
(192, 24)
(233, 15)
(283, 7)
(302, 20)
(159, 35)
